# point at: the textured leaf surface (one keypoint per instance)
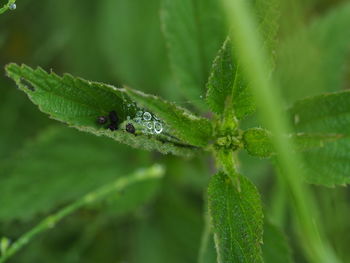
(226, 85)
(257, 142)
(187, 25)
(321, 50)
(237, 219)
(275, 248)
(188, 127)
(78, 103)
(326, 114)
(61, 165)
(268, 15)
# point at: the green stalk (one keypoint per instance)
(7, 6)
(153, 172)
(254, 59)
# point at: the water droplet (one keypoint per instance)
(138, 120)
(139, 114)
(201, 96)
(158, 127)
(147, 116)
(12, 6)
(149, 125)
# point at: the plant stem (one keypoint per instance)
(154, 172)
(254, 61)
(7, 6)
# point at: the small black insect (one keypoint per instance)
(102, 120)
(113, 127)
(113, 117)
(130, 128)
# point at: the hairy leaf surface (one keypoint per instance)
(79, 103)
(226, 86)
(237, 219)
(188, 127)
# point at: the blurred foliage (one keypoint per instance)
(121, 41)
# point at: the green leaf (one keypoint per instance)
(275, 248)
(187, 25)
(310, 141)
(226, 86)
(237, 219)
(268, 15)
(79, 102)
(60, 166)
(186, 126)
(320, 50)
(327, 114)
(258, 142)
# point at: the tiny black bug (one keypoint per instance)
(113, 127)
(113, 117)
(130, 128)
(102, 120)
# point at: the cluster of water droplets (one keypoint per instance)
(150, 123)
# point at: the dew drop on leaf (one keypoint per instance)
(147, 116)
(12, 6)
(158, 127)
(149, 125)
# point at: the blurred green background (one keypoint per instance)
(118, 41)
(113, 42)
